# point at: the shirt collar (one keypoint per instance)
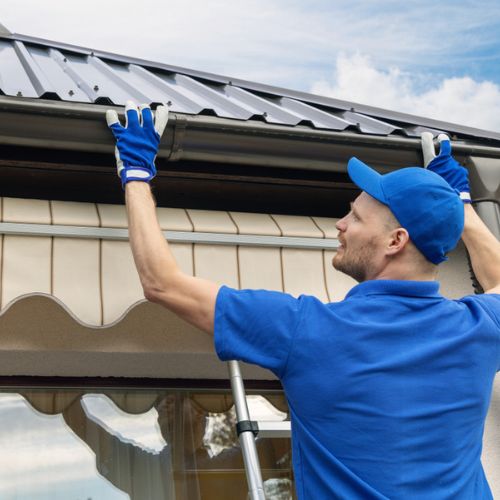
(396, 287)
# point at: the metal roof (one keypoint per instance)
(41, 69)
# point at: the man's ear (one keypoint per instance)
(398, 239)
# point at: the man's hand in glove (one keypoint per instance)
(445, 165)
(137, 142)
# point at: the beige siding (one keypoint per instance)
(76, 262)
(209, 221)
(69, 213)
(303, 273)
(27, 260)
(112, 215)
(26, 211)
(213, 262)
(261, 224)
(298, 226)
(303, 270)
(76, 277)
(327, 225)
(259, 267)
(119, 279)
(183, 254)
(174, 219)
(27, 266)
(217, 263)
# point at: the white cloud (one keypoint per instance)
(457, 100)
(289, 43)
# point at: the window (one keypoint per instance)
(134, 444)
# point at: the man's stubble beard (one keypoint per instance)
(357, 263)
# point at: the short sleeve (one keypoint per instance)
(256, 326)
(490, 302)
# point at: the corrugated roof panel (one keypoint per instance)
(38, 79)
(271, 111)
(120, 80)
(212, 98)
(14, 80)
(78, 81)
(95, 80)
(60, 81)
(369, 125)
(318, 117)
(151, 87)
(179, 102)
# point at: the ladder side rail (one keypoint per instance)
(246, 437)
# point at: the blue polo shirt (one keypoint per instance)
(388, 389)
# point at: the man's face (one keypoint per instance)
(361, 234)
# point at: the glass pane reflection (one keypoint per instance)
(179, 445)
(140, 430)
(40, 459)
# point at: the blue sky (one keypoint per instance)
(437, 59)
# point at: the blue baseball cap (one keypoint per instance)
(422, 202)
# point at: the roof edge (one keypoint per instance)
(372, 111)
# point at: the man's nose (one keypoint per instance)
(341, 225)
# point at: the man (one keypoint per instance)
(388, 389)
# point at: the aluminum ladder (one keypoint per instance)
(248, 430)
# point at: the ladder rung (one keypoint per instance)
(273, 429)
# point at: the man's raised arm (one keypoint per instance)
(484, 251)
(483, 247)
(193, 299)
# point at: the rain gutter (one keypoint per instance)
(81, 127)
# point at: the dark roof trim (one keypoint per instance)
(268, 89)
(95, 383)
(82, 127)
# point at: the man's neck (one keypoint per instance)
(402, 271)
